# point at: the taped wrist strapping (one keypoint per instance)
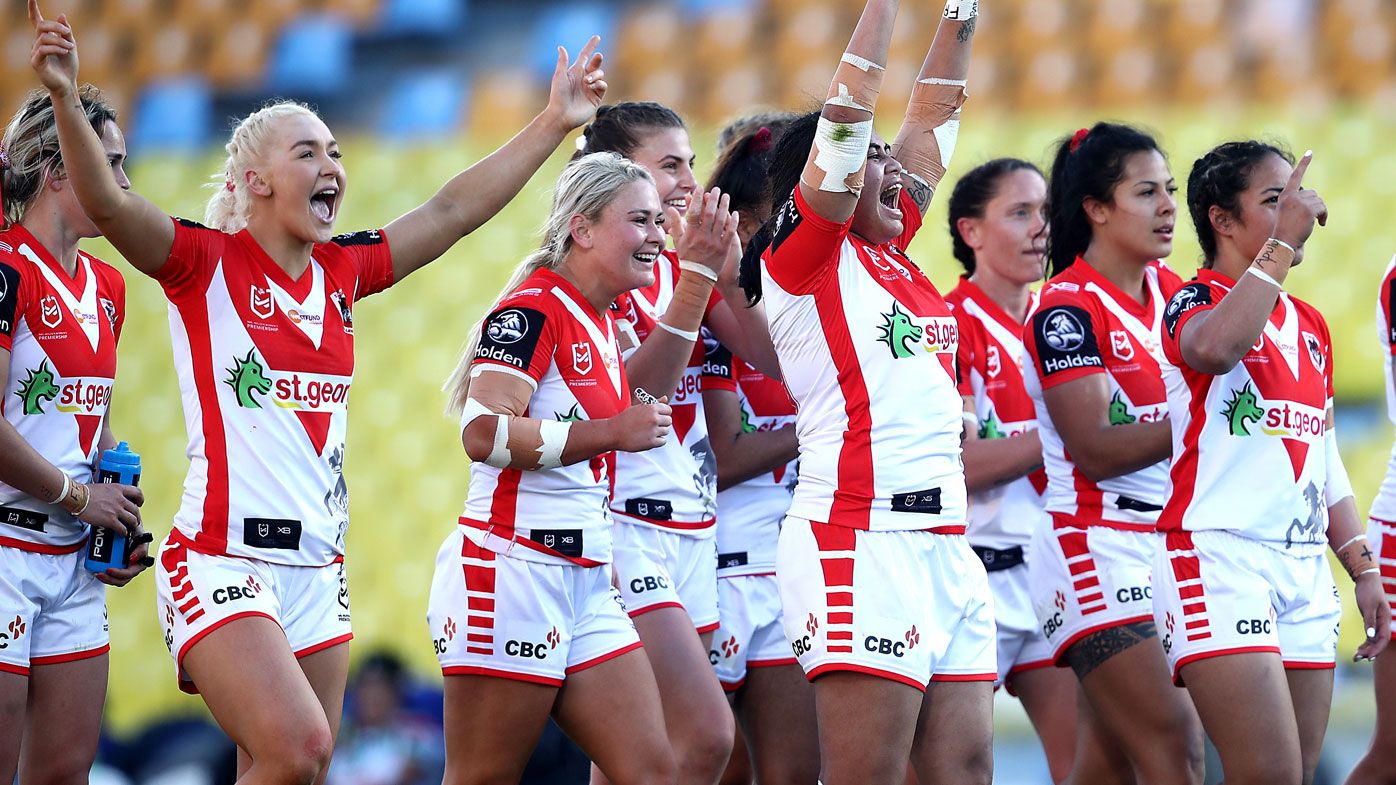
(932, 127)
(841, 149)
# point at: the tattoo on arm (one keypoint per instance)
(967, 30)
(919, 191)
(1092, 651)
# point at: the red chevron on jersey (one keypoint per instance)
(673, 486)
(1268, 414)
(991, 372)
(265, 364)
(547, 334)
(1086, 325)
(61, 333)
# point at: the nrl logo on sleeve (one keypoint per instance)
(263, 306)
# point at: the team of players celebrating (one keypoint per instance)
(735, 457)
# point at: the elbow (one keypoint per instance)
(1093, 467)
(1212, 358)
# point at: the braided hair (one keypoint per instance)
(1219, 178)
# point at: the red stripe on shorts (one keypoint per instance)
(479, 579)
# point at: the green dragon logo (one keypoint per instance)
(1119, 411)
(572, 415)
(247, 376)
(897, 329)
(1241, 408)
(747, 427)
(989, 429)
(36, 388)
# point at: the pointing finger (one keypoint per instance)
(584, 56)
(35, 17)
(1296, 178)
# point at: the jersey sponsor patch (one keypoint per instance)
(368, 237)
(9, 298)
(190, 224)
(1192, 296)
(567, 542)
(787, 221)
(1065, 339)
(510, 336)
(278, 533)
(717, 359)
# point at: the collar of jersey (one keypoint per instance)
(74, 283)
(987, 304)
(1144, 311)
(562, 283)
(297, 288)
(1206, 275)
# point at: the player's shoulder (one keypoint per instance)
(1065, 288)
(1308, 313)
(1168, 278)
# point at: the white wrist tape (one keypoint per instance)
(971, 419)
(1338, 486)
(842, 152)
(554, 435)
(687, 335)
(961, 10)
(694, 267)
(67, 486)
(1264, 276)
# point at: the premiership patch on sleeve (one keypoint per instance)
(511, 336)
(1194, 295)
(1065, 339)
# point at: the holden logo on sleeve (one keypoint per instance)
(49, 311)
(508, 327)
(581, 358)
(263, 305)
(1063, 332)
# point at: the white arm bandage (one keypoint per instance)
(1338, 486)
(961, 10)
(554, 435)
(499, 453)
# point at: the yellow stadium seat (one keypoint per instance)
(203, 14)
(503, 101)
(168, 51)
(1127, 77)
(238, 55)
(360, 12)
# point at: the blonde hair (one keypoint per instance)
(231, 203)
(587, 186)
(30, 145)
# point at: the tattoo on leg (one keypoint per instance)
(1092, 651)
(967, 30)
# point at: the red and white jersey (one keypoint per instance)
(867, 348)
(61, 334)
(991, 372)
(1085, 325)
(265, 364)
(749, 513)
(1384, 505)
(547, 334)
(1248, 452)
(674, 486)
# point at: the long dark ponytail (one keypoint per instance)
(783, 172)
(1087, 165)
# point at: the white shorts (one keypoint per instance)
(493, 615)
(1021, 645)
(1220, 594)
(656, 568)
(752, 634)
(51, 610)
(1088, 579)
(198, 592)
(910, 606)
(1381, 535)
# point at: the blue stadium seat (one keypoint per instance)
(422, 17)
(173, 115)
(570, 26)
(424, 104)
(700, 7)
(312, 57)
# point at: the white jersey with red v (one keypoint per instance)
(749, 513)
(1384, 505)
(1085, 325)
(867, 347)
(1248, 452)
(991, 372)
(265, 364)
(61, 333)
(674, 486)
(547, 334)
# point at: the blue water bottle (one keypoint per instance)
(105, 548)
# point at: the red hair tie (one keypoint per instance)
(228, 183)
(1079, 137)
(760, 141)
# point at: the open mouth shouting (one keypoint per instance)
(324, 204)
(890, 197)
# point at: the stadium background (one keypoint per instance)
(418, 89)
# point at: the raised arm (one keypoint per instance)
(927, 138)
(496, 431)
(1237, 321)
(833, 174)
(139, 230)
(475, 195)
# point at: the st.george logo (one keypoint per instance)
(263, 306)
(581, 358)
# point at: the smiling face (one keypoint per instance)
(300, 178)
(617, 250)
(877, 218)
(1139, 219)
(1259, 206)
(667, 155)
(1010, 240)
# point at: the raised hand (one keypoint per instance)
(55, 54)
(1299, 208)
(705, 233)
(578, 87)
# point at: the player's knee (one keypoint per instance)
(58, 771)
(655, 766)
(706, 746)
(1266, 769)
(298, 755)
